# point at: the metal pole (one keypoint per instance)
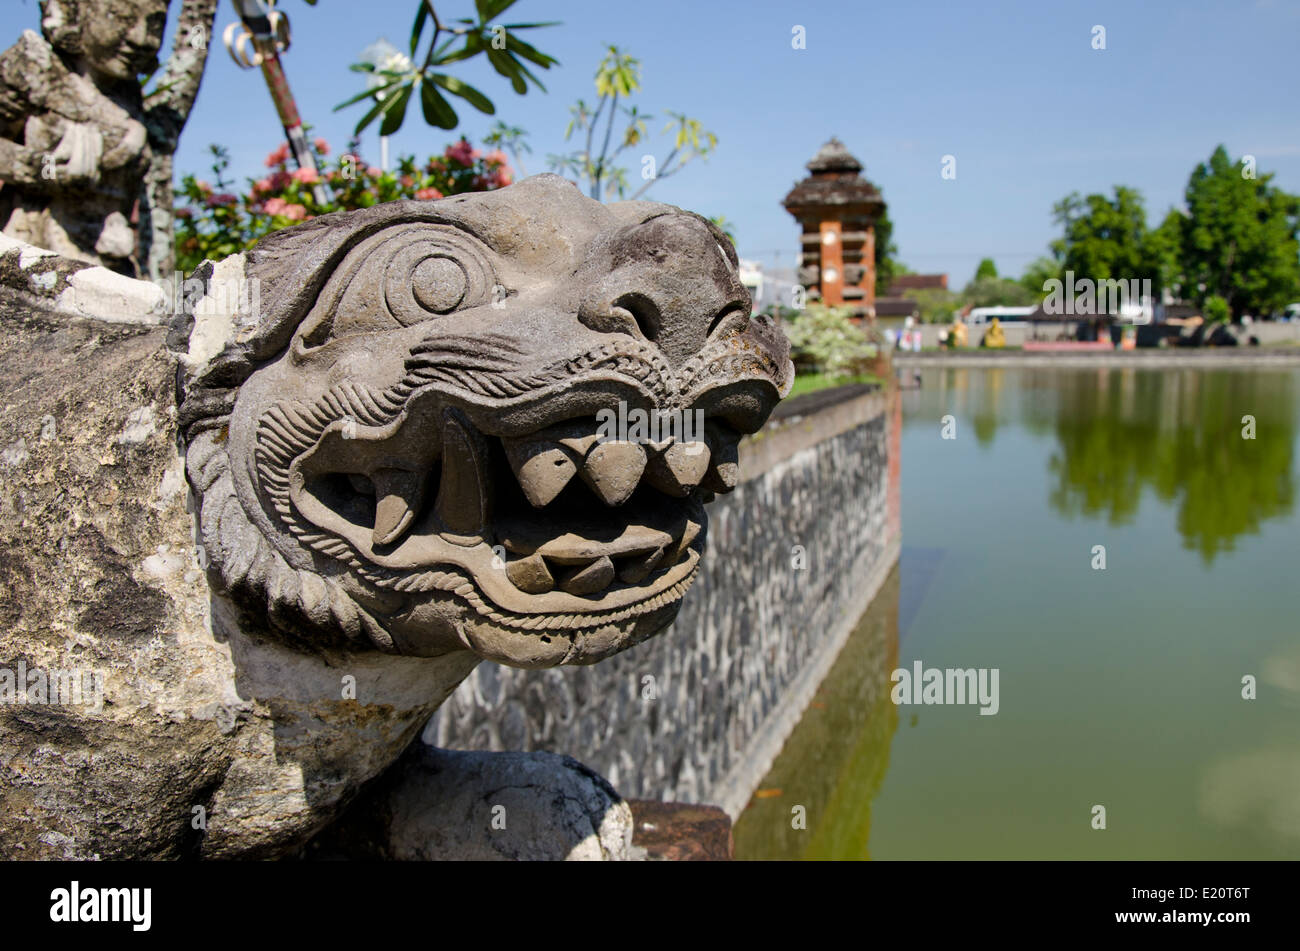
(261, 20)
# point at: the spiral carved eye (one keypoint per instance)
(422, 271)
(427, 278)
(439, 284)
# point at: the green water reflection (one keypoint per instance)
(1119, 687)
(1180, 435)
(836, 758)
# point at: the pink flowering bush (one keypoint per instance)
(216, 220)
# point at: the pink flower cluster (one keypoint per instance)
(462, 152)
(278, 206)
(284, 195)
(279, 156)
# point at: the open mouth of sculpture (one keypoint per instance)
(585, 515)
(561, 519)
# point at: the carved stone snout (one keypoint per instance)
(487, 423)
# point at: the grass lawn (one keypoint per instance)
(811, 382)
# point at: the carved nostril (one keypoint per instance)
(644, 311)
(733, 317)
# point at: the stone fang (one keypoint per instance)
(636, 571)
(465, 490)
(397, 498)
(724, 469)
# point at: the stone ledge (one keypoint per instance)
(681, 832)
(1147, 358)
(69, 288)
(807, 424)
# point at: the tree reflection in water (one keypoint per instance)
(1178, 432)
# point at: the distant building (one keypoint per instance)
(897, 307)
(768, 288)
(900, 285)
(899, 302)
(751, 275)
(837, 210)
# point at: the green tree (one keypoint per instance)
(403, 78)
(1216, 310)
(1239, 238)
(618, 78)
(1165, 252)
(987, 269)
(888, 266)
(936, 304)
(996, 292)
(1037, 274)
(1105, 238)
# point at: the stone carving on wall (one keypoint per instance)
(405, 452)
(73, 148)
(394, 470)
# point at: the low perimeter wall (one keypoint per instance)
(795, 555)
(1018, 332)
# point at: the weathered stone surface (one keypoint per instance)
(422, 387)
(73, 146)
(99, 575)
(61, 287)
(442, 804)
(267, 620)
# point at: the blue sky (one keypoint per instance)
(1013, 90)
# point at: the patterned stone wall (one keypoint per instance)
(795, 555)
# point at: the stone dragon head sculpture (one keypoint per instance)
(404, 449)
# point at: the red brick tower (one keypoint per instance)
(837, 209)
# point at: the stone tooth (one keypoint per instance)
(530, 575)
(613, 469)
(679, 468)
(398, 493)
(724, 464)
(464, 489)
(589, 579)
(580, 444)
(636, 570)
(678, 548)
(542, 468)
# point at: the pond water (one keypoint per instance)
(1119, 687)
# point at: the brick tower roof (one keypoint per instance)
(835, 182)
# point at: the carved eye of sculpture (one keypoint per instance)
(422, 281)
(399, 277)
